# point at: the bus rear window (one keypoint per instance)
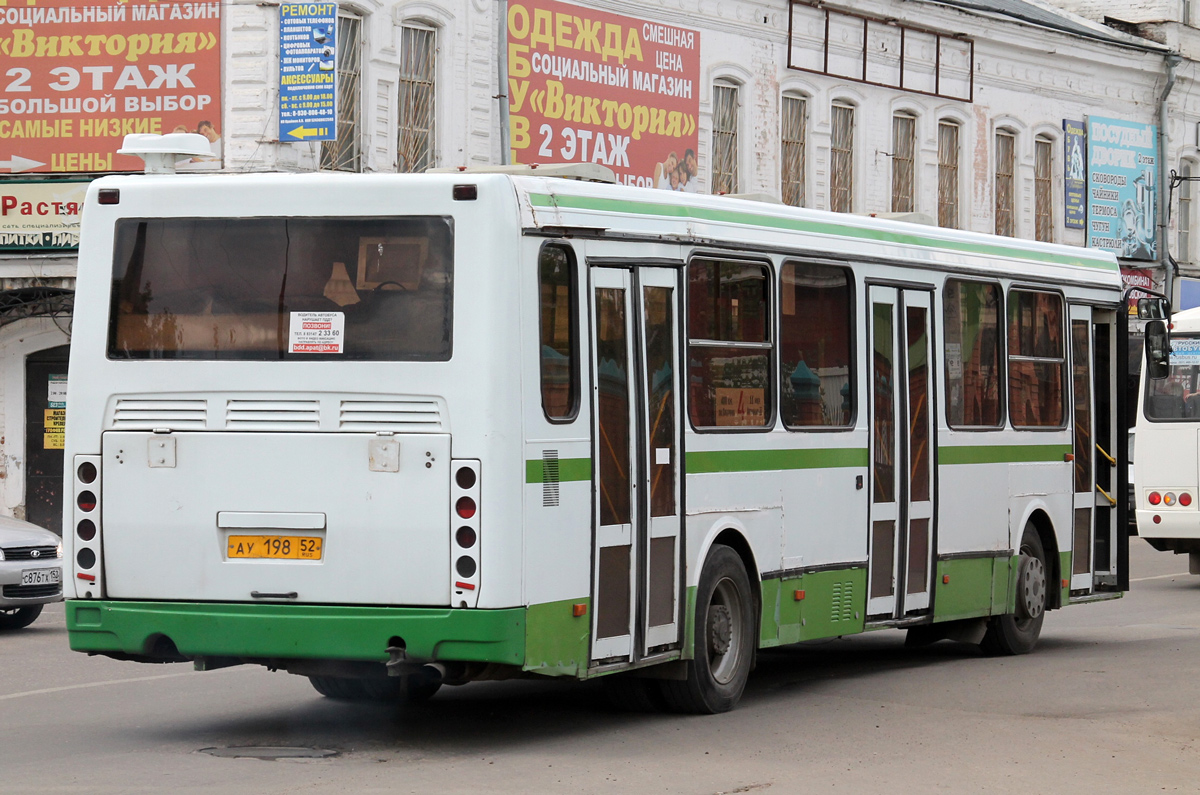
(378, 289)
(1176, 397)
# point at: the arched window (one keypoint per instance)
(725, 138)
(345, 153)
(1043, 189)
(793, 140)
(841, 156)
(948, 179)
(416, 143)
(904, 155)
(1006, 161)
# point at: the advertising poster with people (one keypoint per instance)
(1122, 164)
(587, 86)
(79, 78)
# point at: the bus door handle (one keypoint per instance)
(261, 595)
(1112, 462)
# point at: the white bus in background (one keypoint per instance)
(395, 431)
(1166, 476)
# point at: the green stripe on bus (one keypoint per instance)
(816, 227)
(1002, 453)
(568, 469)
(699, 463)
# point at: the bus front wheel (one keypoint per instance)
(1017, 633)
(724, 643)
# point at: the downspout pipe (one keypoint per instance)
(1164, 178)
(502, 79)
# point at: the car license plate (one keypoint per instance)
(41, 576)
(274, 547)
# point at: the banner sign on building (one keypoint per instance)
(1138, 277)
(1122, 163)
(81, 77)
(40, 214)
(587, 86)
(1074, 184)
(307, 71)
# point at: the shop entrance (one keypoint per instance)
(45, 423)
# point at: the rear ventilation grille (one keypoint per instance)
(843, 601)
(402, 416)
(273, 415)
(549, 478)
(151, 414)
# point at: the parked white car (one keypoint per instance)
(30, 572)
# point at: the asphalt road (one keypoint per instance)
(1109, 702)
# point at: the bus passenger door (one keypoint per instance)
(1084, 471)
(636, 576)
(658, 340)
(900, 540)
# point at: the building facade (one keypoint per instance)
(951, 112)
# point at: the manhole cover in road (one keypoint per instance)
(269, 752)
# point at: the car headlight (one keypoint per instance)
(58, 550)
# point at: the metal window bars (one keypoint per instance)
(345, 152)
(841, 183)
(948, 154)
(725, 139)
(1005, 157)
(415, 145)
(792, 154)
(904, 129)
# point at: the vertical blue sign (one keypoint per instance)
(307, 71)
(1122, 187)
(1074, 177)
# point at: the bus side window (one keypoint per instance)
(816, 387)
(558, 343)
(729, 344)
(972, 348)
(1036, 360)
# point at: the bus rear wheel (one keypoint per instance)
(724, 645)
(1017, 633)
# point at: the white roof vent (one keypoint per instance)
(585, 172)
(160, 152)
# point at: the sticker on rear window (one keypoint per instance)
(317, 332)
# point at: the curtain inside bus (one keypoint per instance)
(377, 289)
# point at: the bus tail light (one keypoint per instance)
(1185, 499)
(86, 560)
(1154, 498)
(1168, 498)
(464, 533)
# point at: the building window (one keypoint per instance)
(415, 147)
(1005, 167)
(345, 153)
(904, 144)
(972, 320)
(948, 174)
(560, 375)
(795, 115)
(1185, 213)
(815, 346)
(1043, 191)
(841, 183)
(729, 344)
(725, 139)
(1036, 359)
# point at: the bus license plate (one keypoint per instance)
(275, 547)
(41, 576)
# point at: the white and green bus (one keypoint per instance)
(396, 431)
(1166, 480)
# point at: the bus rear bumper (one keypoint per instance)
(287, 631)
(1173, 524)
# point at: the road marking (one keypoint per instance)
(86, 685)
(1160, 577)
